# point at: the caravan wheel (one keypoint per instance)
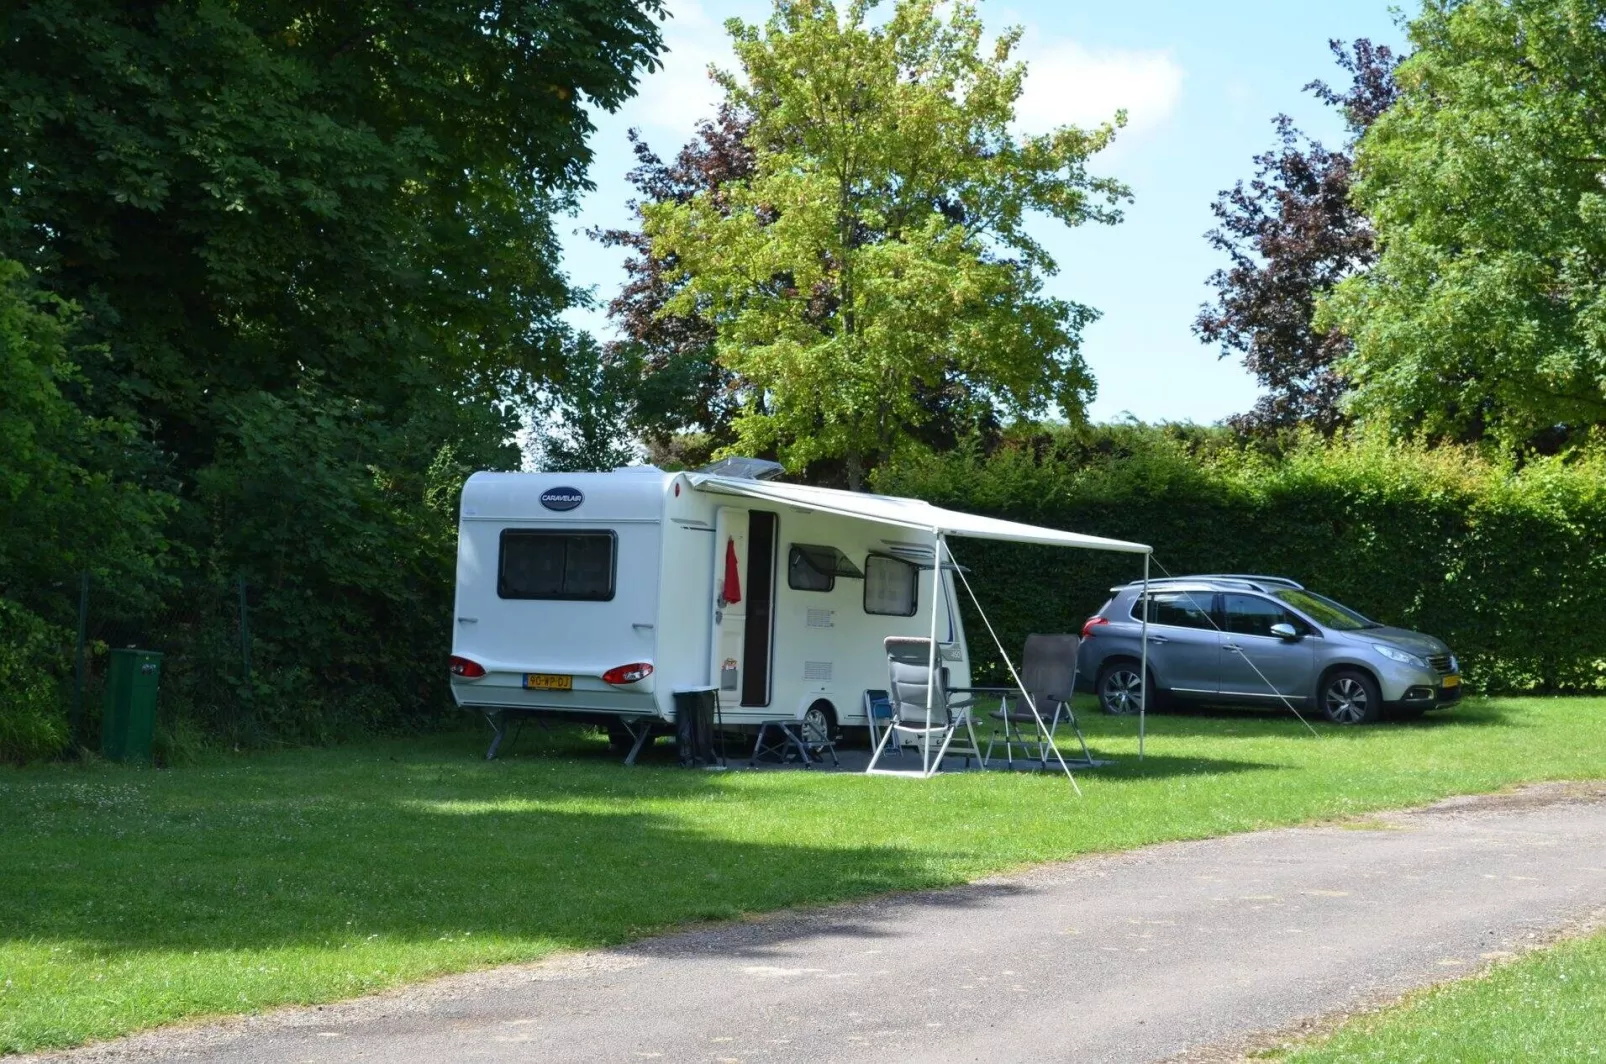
(818, 723)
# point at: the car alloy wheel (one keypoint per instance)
(1122, 690)
(1349, 698)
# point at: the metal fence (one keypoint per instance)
(204, 637)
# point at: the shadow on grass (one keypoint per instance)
(1229, 721)
(561, 846)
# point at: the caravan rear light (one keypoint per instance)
(1090, 629)
(468, 670)
(624, 674)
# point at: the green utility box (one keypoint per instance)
(128, 722)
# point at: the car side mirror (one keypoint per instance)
(1284, 631)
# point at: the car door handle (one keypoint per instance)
(1157, 639)
(1232, 646)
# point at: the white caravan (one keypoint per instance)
(596, 596)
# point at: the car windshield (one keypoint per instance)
(1324, 611)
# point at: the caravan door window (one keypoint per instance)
(890, 587)
(556, 565)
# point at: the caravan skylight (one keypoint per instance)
(744, 469)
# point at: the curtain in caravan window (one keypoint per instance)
(890, 587)
(556, 565)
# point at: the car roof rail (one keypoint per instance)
(1252, 578)
(1202, 581)
(1182, 584)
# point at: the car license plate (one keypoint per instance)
(1452, 681)
(547, 681)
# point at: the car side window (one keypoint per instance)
(1251, 615)
(1179, 609)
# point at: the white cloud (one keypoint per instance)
(673, 99)
(1068, 83)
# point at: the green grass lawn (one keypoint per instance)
(131, 897)
(1549, 1006)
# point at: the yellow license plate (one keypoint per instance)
(547, 681)
(1452, 681)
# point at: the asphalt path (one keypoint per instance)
(1139, 957)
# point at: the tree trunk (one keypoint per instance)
(855, 467)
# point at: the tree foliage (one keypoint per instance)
(588, 414)
(1292, 234)
(1485, 313)
(66, 505)
(879, 257)
(684, 389)
(1505, 564)
(312, 246)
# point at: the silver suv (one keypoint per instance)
(1260, 640)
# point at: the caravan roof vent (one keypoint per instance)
(744, 469)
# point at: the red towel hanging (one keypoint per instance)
(733, 582)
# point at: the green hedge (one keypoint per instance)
(1508, 566)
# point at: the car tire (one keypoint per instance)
(1118, 688)
(1350, 696)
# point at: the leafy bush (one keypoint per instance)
(1507, 565)
(33, 723)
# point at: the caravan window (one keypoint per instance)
(556, 565)
(890, 587)
(810, 567)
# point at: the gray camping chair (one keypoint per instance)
(1048, 680)
(932, 728)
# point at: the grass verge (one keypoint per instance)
(130, 898)
(1549, 1006)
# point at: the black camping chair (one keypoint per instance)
(1048, 680)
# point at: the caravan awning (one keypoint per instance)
(904, 513)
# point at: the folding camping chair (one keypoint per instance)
(910, 684)
(1048, 680)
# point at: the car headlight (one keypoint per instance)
(1396, 654)
(1455, 665)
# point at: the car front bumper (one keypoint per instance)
(1406, 685)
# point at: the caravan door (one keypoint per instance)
(744, 605)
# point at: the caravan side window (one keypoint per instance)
(890, 587)
(810, 567)
(806, 573)
(556, 565)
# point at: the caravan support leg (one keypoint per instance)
(498, 722)
(640, 736)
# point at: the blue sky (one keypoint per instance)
(1201, 83)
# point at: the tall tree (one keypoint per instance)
(240, 194)
(66, 506)
(684, 390)
(880, 254)
(587, 414)
(1292, 234)
(311, 241)
(1485, 313)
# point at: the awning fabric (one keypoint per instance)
(905, 513)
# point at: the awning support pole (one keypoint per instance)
(1143, 689)
(937, 600)
(1019, 683)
